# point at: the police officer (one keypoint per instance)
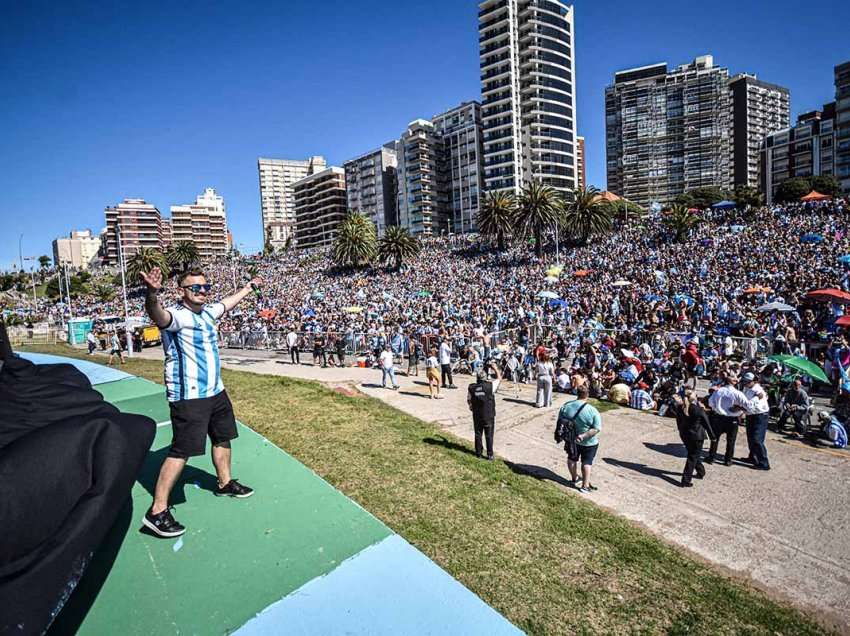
(482, 402)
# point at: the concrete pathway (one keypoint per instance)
(784, 530)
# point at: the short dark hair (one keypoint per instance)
(192, 271)
(582, 392)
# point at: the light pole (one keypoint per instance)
(124, 288)
(32, 278)
(21, 251)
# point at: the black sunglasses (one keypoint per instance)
(197, 289)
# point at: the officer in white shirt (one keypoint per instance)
(387, 368)
(292, 339)
(727, 404)
(757, 420)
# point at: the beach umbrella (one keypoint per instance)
(555, 270)
(736, 228)
(844, 321)
(830, 295)
(814, 195)
(547, 294)
(724, 205)
(804, 366)
(757, 289)
(581, 273)
(775, 306)
(621, 283)
(811, 238)
(551, 279)
(678, 298)
(318, 295)
(353, 310)
(424, 294)
(844, 259)
(557, 303)
(309, 313)
(268, 314)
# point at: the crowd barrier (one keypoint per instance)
(21, 336)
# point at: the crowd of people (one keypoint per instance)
(634, 316)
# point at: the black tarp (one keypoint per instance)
(68, 461)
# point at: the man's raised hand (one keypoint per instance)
(153, 279)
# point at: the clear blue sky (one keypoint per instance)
(107, 100)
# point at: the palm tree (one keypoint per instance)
(183, 255)
(585, 216)
(355, 244)
(496, 216)
(681, 220)
(397, 245)
(144, 261)
(536, 212)
(43, 264)
(104, 292)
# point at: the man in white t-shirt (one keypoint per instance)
(446, 364)
(292, 339)
(387, 367)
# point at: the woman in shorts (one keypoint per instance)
(432, 372)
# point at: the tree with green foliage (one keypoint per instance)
(622, 210)
(747, 197)
(792, 190)
(103, 292)
(585, 215)
(537, 211)
(355, 244)
(681, 221)
(268, 246)
(397, 245)
(43, 264)
(182, 255)
(144, 261)
(496, 217)
(701, 198)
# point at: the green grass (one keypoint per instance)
(548, 560)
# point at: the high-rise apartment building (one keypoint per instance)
(527, 59)
(758, 109)
(422, 180)
(462, 147)
(204, 223)
(140, 224)
(321, 205)
(371, 182)
(842, 125)
(277, 201)
(808, 149)
(668, 131)
(582, 166)
(79, 250)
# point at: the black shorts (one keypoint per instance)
(193, 420)
(585, 453)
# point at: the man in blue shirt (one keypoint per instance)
(198, 402)
(587, 423)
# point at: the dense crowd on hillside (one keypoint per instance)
(635, 289)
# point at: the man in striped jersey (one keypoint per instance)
(196, 396)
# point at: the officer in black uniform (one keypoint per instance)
(482, 401)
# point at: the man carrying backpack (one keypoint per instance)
(579, 424)
(482, 402)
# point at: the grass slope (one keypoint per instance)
(548, 560)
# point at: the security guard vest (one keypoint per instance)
(483, 400)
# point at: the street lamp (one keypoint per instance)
(124, 288)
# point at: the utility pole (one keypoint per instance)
(21, 251)
(124, 288)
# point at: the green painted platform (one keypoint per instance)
(237, 557)
(137, 395)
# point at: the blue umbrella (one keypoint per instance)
(844, 259)
(557, 303)
(309, 313)
(811, 238)
(736, 228)
(680, 297)
(724, 205)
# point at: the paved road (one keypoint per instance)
(784, 530)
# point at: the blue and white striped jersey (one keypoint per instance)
(192, 365)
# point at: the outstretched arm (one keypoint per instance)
(153, 283)
(231, 301)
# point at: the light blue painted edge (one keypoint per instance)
(389, 588)
(96, 373)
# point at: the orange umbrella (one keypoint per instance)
(814, 195)
(830, 295)
(268, 314)
(758, 290)
(581, 273)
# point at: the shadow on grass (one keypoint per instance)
(539, 472)
(439, 440)
(643, 469)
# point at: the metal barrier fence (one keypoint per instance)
(21, 336)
